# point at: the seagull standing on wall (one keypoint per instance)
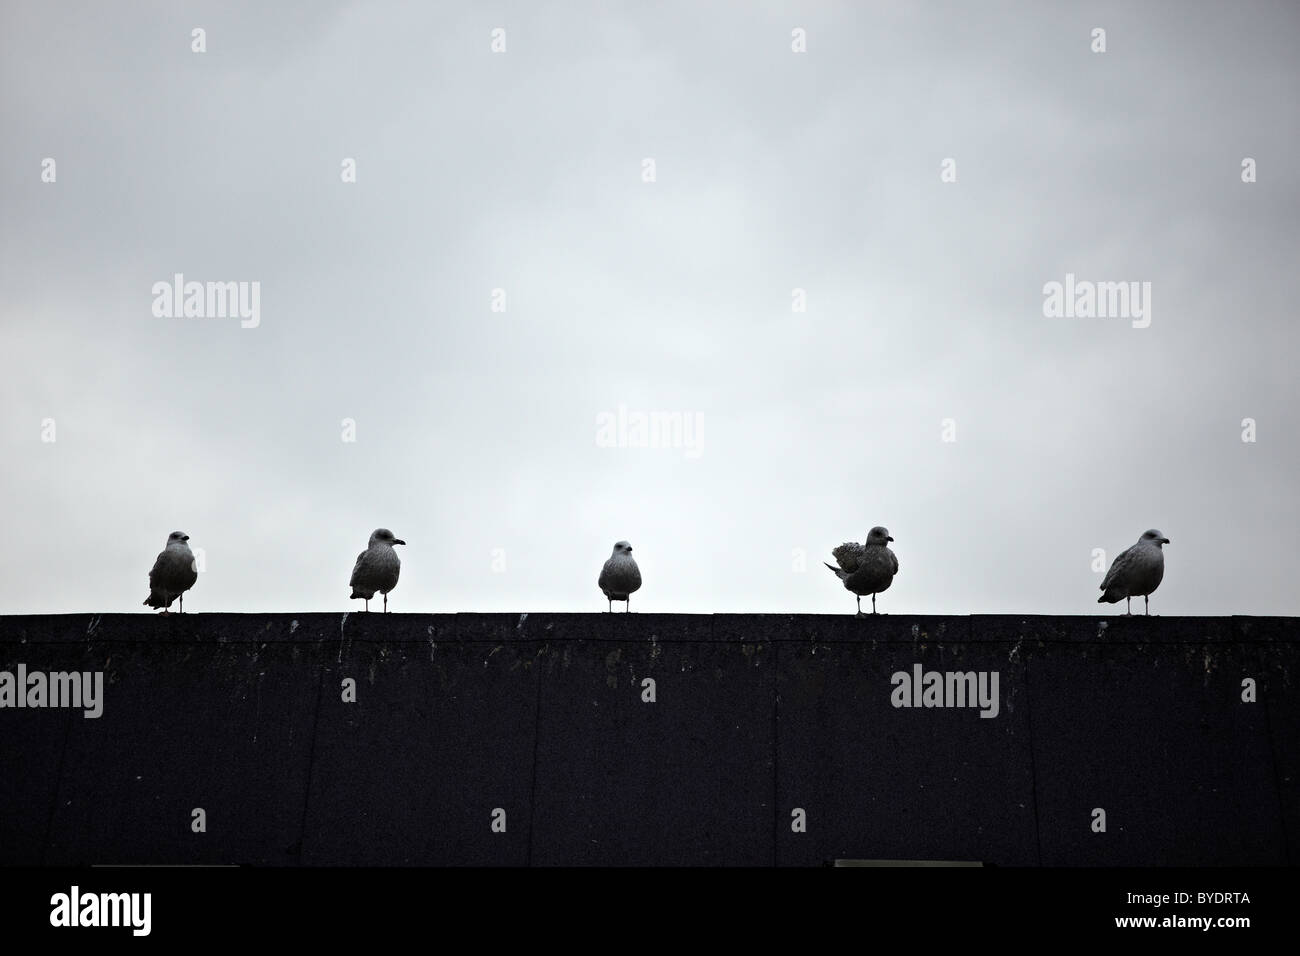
(173, 573)
(377, 568)
(620, 576)
(1136, 572)
(866, 568)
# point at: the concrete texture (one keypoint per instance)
(538, 722)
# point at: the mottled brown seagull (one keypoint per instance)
(866, 568)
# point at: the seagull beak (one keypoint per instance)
(398, 541)
(889, 539)
(1164, 540)
(185, 538)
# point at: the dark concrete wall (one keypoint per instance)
(756, 715)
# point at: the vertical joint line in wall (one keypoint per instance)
(537, 733)
(776, 747)
(311, 766)
(1033, 767)
(58, 779)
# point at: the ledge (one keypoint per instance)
(1185, 731)
(532, 626)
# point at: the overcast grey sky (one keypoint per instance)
(774, 170)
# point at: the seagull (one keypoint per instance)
(620, 576)
(173, 573)
(377, 568)
(1136, 572)
(866, 568)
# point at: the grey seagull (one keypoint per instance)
(173, 573)
(377, 568)
(619, 576)
(1136, 572)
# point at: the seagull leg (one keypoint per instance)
(859, 597)
(627, 604)
(1147, 599)
(611, 604)
(385, 602)
(367, 600)
(873, 603)
(1129, 606)
(182, 611)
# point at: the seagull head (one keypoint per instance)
(384, 536)
(878, 535)
(177, 537)
(1154, 537)
(621, 547)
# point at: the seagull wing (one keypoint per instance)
(1118, 567)
(848, 555)
(158, 569)
(358, 568)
